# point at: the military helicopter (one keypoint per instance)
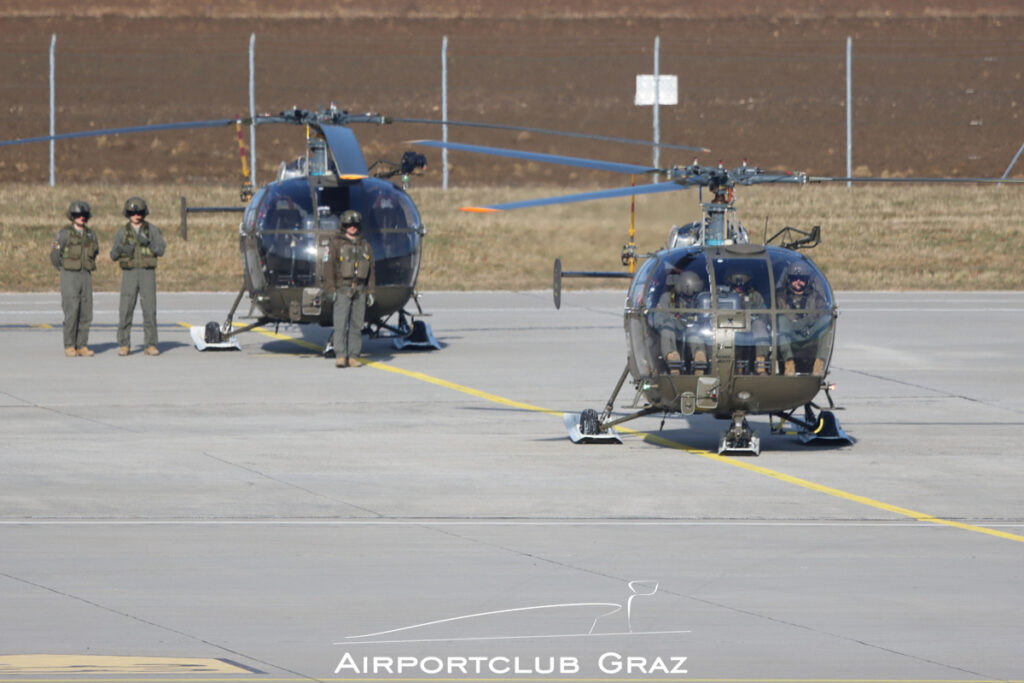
(714, 323)
(287, 223)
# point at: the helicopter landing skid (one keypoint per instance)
(421, 337)
(415, 334)
(198, 335)
(740, 439)
(578, 424)
(822, 428)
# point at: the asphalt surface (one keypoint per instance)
(261, 515)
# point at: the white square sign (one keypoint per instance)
(668, 90)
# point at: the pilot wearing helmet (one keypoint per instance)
(805, 331)
(74, 253)
(137, 245)
(349, 273)
(683, 292)
(740, 285)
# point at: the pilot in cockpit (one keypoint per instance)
(805, 330)
(683, 291)
(759, 337)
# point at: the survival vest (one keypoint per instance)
(80, 251)
(142, 257)
(354, 260)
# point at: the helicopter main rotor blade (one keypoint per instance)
(581, 197)
(867, 179)
(579, 162)
(115, 131)
(544, 131)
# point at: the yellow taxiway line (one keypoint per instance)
(662, 441)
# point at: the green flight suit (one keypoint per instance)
(74, 254)
(349, 273)
(673, 325)
(805, 331)
(136, 253)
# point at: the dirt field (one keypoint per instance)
(937, 91)
(937, 83)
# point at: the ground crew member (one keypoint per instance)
(137, 246)
(806, 328)
(74, 255)
(349, 273)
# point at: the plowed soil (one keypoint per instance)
(937, 86)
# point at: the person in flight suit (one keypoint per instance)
(349, 272)
(137, 245)
(803, 333)
(74, 255)
(759, 338)
(681, 294)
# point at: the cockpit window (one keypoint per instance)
(805, 324)
(287, 222)
(742, 283)
(388, 209)
(764, 315)
(251, 210)
(285, 206)
(286, 244)
(791, 266)
(678, 281)
(677, 325)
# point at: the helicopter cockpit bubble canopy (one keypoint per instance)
(753, 307)
(282, 218)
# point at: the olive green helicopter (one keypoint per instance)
(714, 322)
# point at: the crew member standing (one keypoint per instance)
(137, 246)
(349, 272)
(74, 255)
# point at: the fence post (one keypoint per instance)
(444, 112)
(849, 109)
(53, 45)
(657, 103)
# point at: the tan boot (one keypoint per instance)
(86, 351)
(819, 367)
(789, 368)
(673, 360)
(152, 351)
(759, 362)
(354, 362)
(71, 352)
(341, 362)
(124, 350)
(699, 358)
